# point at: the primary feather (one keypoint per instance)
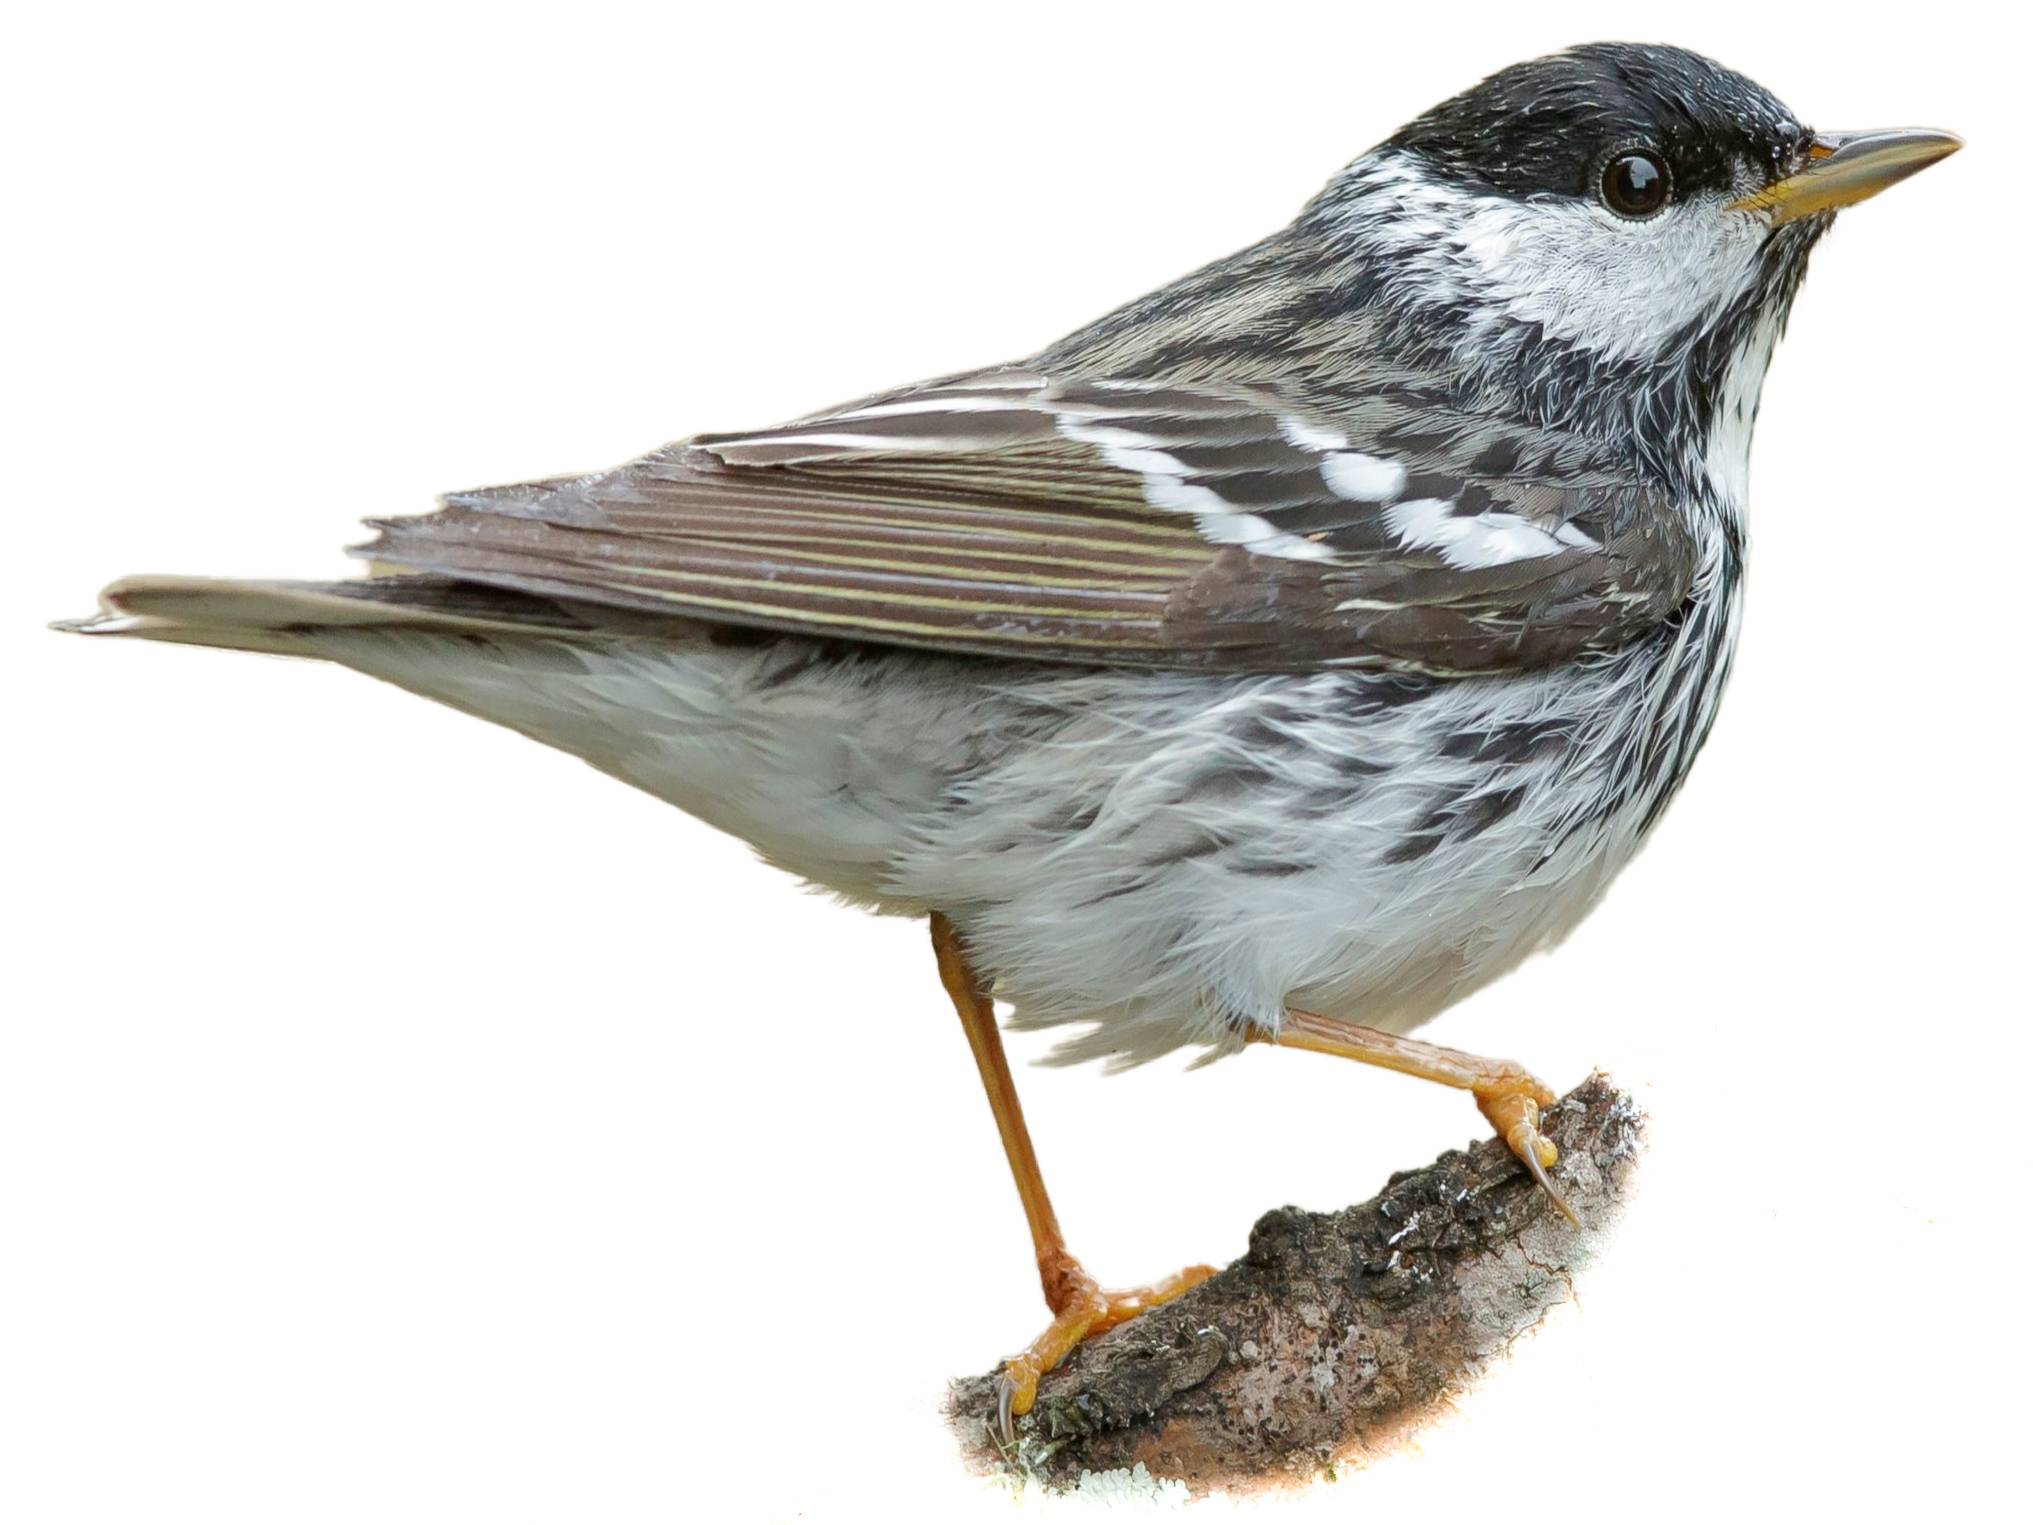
(1125, 521)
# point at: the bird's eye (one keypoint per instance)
(1634, 184)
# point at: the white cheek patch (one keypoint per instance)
(1621, 288)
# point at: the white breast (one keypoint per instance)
(1171, 856)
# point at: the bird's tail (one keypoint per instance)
(294, 618)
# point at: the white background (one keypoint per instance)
(401, 1122)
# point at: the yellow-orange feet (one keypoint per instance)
(1512, 1107)
(1509, 1095)
(1081, 1307)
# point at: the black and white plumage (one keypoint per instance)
(1324, 630)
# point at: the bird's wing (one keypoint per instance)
(1104, 521)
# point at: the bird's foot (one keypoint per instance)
(1509, 1095)
(1512, 1104)
(1081, 1308)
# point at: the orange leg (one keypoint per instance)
(1080, 1306)
(1508, 1094)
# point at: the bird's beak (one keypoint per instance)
(1844, 168)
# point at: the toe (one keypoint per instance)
(1015, 1391)
(1514, 1112)
(1084, 1309)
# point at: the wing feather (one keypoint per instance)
(1104, 521)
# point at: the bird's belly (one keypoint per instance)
(1171, 857)
(824, 759)
(1211, 956)
(1184, 858)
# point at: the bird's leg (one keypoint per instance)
(1080, 1305)
(1508, 1094)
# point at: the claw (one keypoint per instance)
(1536, 1162)
(1083, 1309)
(1515, 1113)
(1015, 1391)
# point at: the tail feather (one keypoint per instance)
(282, 616)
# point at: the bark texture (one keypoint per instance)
(1337, 1332)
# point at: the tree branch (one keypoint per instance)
(1337, 1332)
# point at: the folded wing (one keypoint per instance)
(1104, 521)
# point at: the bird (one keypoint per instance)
(1276, 660)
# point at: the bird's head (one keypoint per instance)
(1616, 224)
